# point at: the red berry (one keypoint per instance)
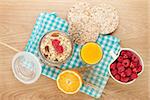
(135, 58)
(125, 56)
(113, 65)
(55, 42)
(114, 72)
(121, 69)
(119, 64)
(59, 49)
(133, 64)
(139, 69)
(134, 75)
(130, 79)
(124, 79)
(123, 52)
(128, 72)
(117, 77)
(119, 72)
(126, 62)
(123, 74)
(129, 53)
(134, 70)
(120, 59)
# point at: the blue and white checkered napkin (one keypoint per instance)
(98, 76)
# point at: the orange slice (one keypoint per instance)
(69, 81)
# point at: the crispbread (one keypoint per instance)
(107, 17)
(87, 22)
(81, 27)
(78, 12)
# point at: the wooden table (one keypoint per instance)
(17, 18)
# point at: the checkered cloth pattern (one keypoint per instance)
(98, 77)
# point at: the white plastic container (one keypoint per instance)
(26, 67)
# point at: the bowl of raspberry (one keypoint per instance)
(126, 67)
(55, 48)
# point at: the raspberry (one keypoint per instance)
(113, 65)
(130, 79)
(126, 62)
(59, 49)
(119, 64)
(129, 53)
(117, 77)
(139, 69)
(55, 42)
(125, 56)
(133, 64)
(119, 72)
(134, 75)
(121, 69)
(123, 74)
(114, 72)
(124, 79)
(120, 59)
(134, 70)
(123, 52)
(135, 58)
(128, 72)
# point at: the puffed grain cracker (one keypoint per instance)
(107, 17)
(87, 22)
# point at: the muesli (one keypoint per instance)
(56, 47)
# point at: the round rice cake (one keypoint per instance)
(87, 22)
(82, 33)
(81, 27)
(79, 12)
(107, 16)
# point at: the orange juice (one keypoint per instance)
(91, 53)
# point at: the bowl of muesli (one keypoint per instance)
(55, 48)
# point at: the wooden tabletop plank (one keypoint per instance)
(17, 18)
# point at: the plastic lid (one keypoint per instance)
(26, 67)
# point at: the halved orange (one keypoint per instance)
(69, 81)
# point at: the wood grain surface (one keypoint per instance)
(17, 18)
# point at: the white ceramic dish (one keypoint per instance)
(115, 56)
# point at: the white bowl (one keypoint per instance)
(115, 56)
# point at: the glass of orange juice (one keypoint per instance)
(91, 53)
